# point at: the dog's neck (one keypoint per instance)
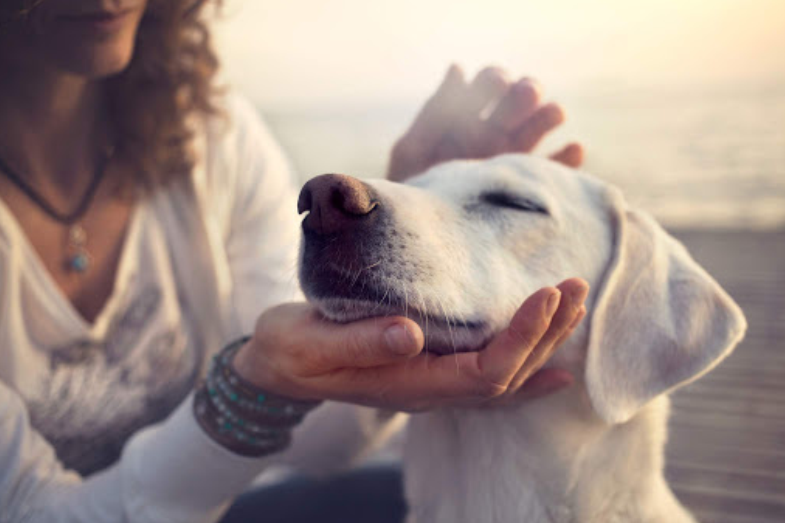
(550, 460)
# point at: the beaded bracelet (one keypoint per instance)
(242, 417)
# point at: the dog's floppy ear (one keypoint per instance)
(659, 320)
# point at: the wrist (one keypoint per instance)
(251, 368)
(239, 415)
(245, 365)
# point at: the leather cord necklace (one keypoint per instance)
(78, 258)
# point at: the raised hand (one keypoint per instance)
(488, 116)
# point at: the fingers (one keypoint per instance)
(487, 87)
(570, 155)
(541, 122)
(544, 320)
(574, 292)
(566, 319)
(579, 315)
(361, 344)
(378, 361)
(502, 358)
(503, 371)
(453, 124)
(438, 113)
(469, 136)
(491, 136)
(517, 106)
(471, 377)
(414, 152)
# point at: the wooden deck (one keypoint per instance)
(726, 455)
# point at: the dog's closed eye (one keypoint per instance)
(510, 200)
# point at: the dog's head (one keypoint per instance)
(458, 249)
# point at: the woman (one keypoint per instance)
(146, 222)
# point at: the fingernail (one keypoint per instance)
(399, 339)
(524, 86)
(554, 114)
(579, 295)
(553, 304)
(578, 317)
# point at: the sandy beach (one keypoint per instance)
(726, 455)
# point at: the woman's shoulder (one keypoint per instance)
(237, 134)
(238, 156)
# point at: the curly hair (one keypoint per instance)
(168, 81)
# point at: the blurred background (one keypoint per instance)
(680, 103)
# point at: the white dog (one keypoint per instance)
(458, 249)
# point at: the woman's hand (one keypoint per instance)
(453, 124)
(379, 361)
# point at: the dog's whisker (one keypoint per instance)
(371, 266)
(424, 311)
(381, 301)
(447, 319)
(421, 321)
(356, 277)
(451, 333)
(389, 300)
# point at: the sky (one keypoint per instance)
(295, 52)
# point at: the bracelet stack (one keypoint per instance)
(242, 417)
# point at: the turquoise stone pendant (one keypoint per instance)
(79, 263)
(78, 258)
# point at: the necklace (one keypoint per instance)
(78, 258)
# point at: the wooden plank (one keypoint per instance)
(730, 501)
(707, 454)
(762, 482)
(710, 516)
(726, 453)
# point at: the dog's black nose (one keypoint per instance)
(336, 202)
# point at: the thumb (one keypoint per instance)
(368, 343)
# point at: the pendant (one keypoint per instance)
(78, 258)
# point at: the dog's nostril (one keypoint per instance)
(352, 198)
(304, 200)
(335, 201)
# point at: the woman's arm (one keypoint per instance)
(258, 215)
(171, 472)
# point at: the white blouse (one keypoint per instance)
(79, 402)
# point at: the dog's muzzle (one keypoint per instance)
(356, 263)
(344, 235)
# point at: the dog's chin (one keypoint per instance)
(442, 335)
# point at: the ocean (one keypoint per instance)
(709, 158)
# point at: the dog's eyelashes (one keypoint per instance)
(512, 201)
